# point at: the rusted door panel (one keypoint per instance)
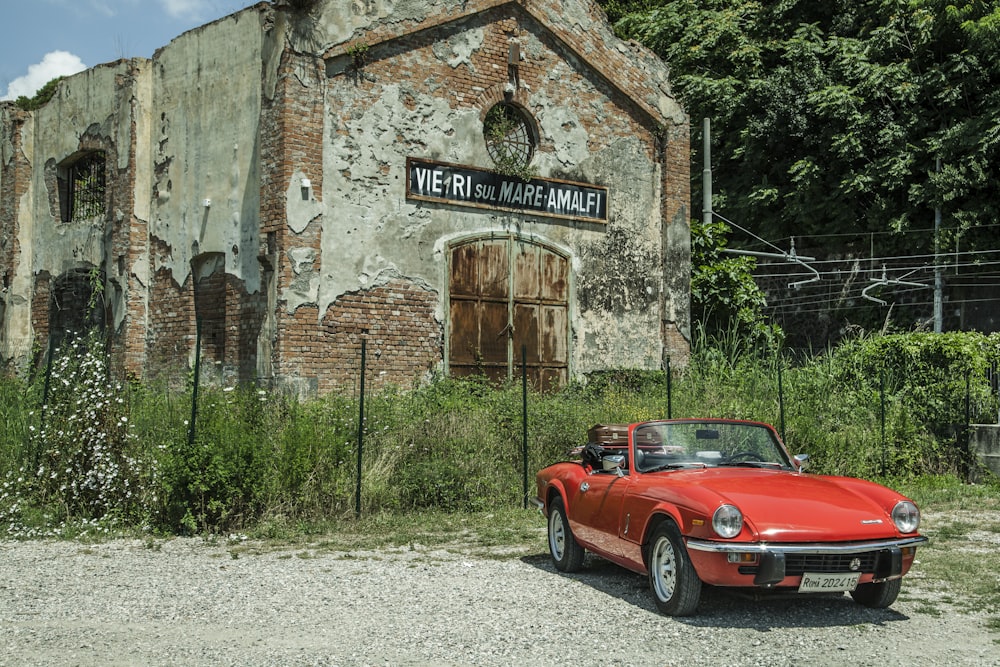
(551, 379)
(497, 307)
(493, 338)
(527, 276)
(464, 332)
(554, 347)
(554, 277)
(464, 274)
(478, 333)
(526, 332)
(494, 270)
(495, 375)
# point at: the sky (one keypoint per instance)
(43, 39)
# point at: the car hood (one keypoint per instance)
(784, 506)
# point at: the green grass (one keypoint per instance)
(442, 465)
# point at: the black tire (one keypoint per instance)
(675, 585)
(567, 554)
(877, 596)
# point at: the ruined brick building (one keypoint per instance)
(451, 181)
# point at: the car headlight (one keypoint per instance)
(906, 516)
(728, 521)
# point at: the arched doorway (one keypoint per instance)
(505, 294)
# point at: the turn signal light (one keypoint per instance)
(742, 558)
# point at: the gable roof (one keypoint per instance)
(580, 25)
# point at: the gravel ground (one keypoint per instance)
(188, 602)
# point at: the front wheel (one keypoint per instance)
(675, 585)
(567, 554)
(877, 596)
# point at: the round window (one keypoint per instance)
(509, 139)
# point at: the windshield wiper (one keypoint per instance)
(677, 466)
(749, 464)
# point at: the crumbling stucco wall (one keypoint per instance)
(263, 188)
(205, 199)
(427, 96)
(91, 111)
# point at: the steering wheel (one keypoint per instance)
(744, 456)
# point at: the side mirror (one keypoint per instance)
(801, 462)
(613, 462)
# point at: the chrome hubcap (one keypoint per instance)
(663, 565)
(557, 535)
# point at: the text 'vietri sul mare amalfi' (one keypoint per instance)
(437, 181)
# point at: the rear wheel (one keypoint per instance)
(675, 585)
(567, 554)
(877, 596)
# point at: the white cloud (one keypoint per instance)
(56, 63)
(201, 10)
(184, 9)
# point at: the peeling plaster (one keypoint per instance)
(458, 48)
(340, 22)
(304, 287)
(197, 113)
(370, 204)
(301, 206)
(207, 125)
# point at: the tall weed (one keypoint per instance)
(883, 407)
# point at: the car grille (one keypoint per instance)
(799, 563)
(796, 564)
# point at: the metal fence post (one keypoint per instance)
(524, 421)
(197, 380)
(781, 401)
(670, 391)
(881, 394)
(361, 431)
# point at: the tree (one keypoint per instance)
(725, 299)
(831, 117)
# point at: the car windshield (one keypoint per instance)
(708, 444)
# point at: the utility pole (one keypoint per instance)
(938, 306)
(706, 173)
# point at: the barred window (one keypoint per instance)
(510, 140)
(83, 188)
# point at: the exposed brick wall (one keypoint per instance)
(318, 344)
(230, 324)
(171, 332)
(480, 83)
(14, 175)
(211, 313)
(403, 344)
(40, 312)
(292, 124)
(675, 213)
(129, 249)
(245, 313)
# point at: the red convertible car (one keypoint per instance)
(720, 502)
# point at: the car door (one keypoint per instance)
(596, 516)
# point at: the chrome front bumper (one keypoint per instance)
(775, 560)
(802, 548)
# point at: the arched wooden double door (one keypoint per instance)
(506, 294)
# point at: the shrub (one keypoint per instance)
(83, 462)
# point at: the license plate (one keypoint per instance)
(814, 582)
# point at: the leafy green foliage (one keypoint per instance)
(832, 115)
(41, 98)
(82, 461)
(263, 461)
(725, 299)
